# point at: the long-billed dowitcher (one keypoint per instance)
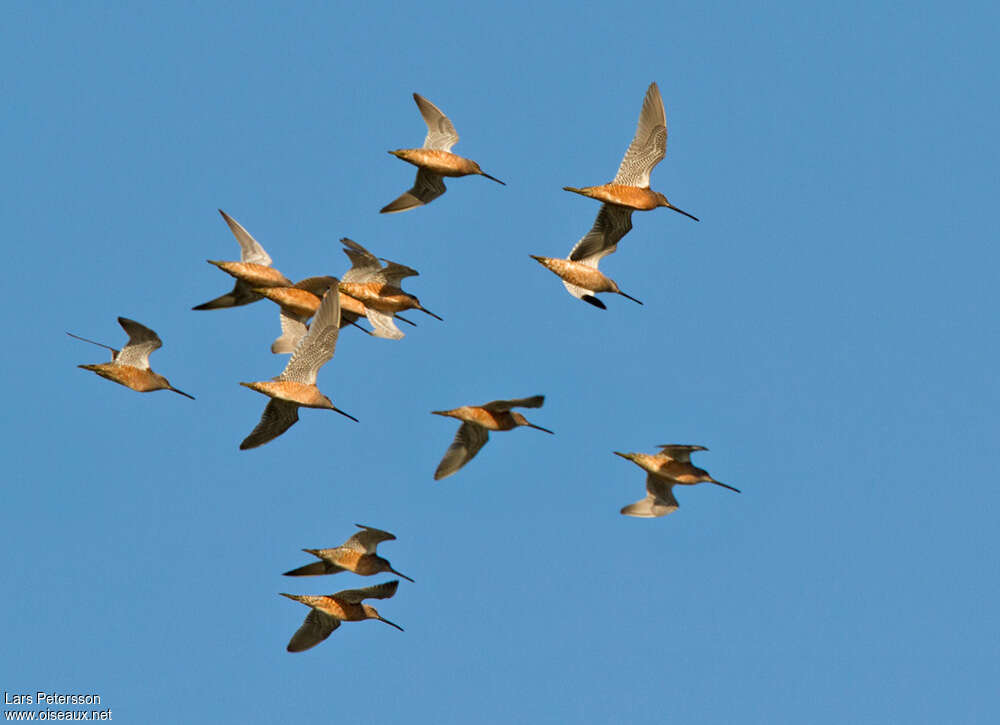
(671, 466)
(299, 302)
(579, 271)
(253, 270)
(477, 422)
(329, 610)
(377, 288)
(628, 192)
(434, 161)
(357, 554)
(296, 386)
(130, 365)
(630, 188)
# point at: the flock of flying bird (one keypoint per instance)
(371, 290)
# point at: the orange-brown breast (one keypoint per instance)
(143, 381)
(579, 274)
(632, 197)
(292, 300)
(350, 305)
(333, 607)
(347, 558)
(346, 611)
(680, 472)
(381, 297)
(440, 162)
(485, 418)
(256, 275)
(317, 285)
(306, 395)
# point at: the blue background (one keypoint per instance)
(829, 330)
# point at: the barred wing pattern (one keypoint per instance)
(141, 342)
(279, 415)
(649, 145)
(441, 134)
(318, 345)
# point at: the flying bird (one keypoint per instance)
(377, 288)
(130, 365)
(357, 554)
(579, 271)
(328, 611)
(477, 422)
(253, 270)
(434, 161)
(296, 385)
(628, 192)
(299, 302)
(670, 467)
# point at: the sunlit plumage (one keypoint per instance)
(130, 365)
(357, 555)
(477, 421)
(329, 610)
(299, 302)
(296, 385)
(670, 467)
(628, 192)
(253, 270)
(434, 161)
(377, 288)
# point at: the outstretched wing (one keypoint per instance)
(469, 439)
(612, 223)
(680, 453)
(250, 250)
(279, 416)
(318, 345)
(649, 145)
(316, 627)
(427, 187)
(365, 541)
(141, 342)
(241, 294)
(293, 329)
(441, 133)
(499, 406)
(382, 325)
(364, 264)
(659, 500)
(393, 273)
(379, 591)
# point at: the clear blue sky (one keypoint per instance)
(829, 330)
